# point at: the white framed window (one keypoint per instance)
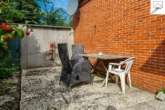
(157, 7)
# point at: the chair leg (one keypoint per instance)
(92, 78)
(122, 79)
(117, 79)
(129, 80)
(107, 77)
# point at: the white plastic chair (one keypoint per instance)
(121, 72)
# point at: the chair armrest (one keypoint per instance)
(115, 64)
(123, 62)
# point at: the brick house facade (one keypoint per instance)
(125, 26)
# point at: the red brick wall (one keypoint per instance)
(126, 26)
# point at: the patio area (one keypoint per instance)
(47, 51)
(40, 90)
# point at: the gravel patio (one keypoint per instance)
(40, 90)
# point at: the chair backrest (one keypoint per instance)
(128, 63)
(66, 66)
(81, 67)
(77, 49)
(63, 54)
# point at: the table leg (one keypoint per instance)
(93, 69)
(107, 74)
(103, 83)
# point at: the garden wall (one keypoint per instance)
(126, 26)
(35, 47)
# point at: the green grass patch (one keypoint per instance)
(162, 90)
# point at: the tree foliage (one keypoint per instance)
(19, 11)
(29, 12)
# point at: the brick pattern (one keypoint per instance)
(126, 26)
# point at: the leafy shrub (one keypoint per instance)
(7, 68)
(8, 33)
(162, 90)
(7, 72)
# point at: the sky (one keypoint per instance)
(61, 3)
(54, 4)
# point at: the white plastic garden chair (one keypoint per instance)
(121, 72)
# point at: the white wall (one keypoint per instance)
(34, 48)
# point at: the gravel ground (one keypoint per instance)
(10, 93)
(41, 91)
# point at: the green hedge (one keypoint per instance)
(7, 72)
(7, 67)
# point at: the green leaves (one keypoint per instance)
(9, 32)
(162, 90)
(7, 68)
(1, 32)
(19, 33)
(53, 18)
(9, 11)
(29, 12)
(18, 11)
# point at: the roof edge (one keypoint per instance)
(83, 2)
(44, 26)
